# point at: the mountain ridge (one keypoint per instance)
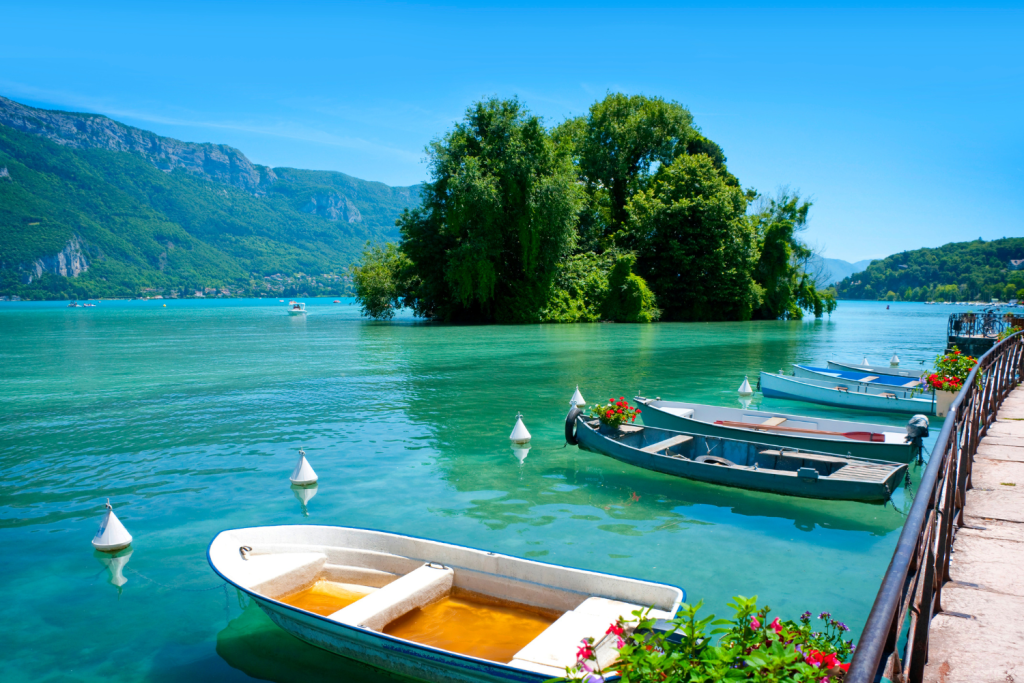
(91, 207)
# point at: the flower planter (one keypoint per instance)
(943, 400)
(607, 430)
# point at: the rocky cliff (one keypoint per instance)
(219, 163)
(68, 262)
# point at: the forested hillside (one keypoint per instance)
(89, 207)
(959, 271)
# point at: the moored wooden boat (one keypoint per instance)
(696, 418)
(861, 397)
(743, 464)
(426, 609)
(860, 377)
(878, 369)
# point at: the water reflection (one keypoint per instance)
(304, 494)
(256, 646)
(115, 564)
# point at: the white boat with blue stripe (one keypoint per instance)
(848, 394)
(430, 610)
(862, 377)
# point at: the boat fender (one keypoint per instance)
(714, 460)
(570, 426)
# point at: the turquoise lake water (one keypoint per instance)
(189, 418)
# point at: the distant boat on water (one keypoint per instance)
(296, 308)
(839, 437)
(73, 304)
(887, 370)
(863, 397)
(854, 377)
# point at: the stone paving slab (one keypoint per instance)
(994, 504)
(976, 650)
(991, 528)
(993, 564)
(989, 451)
(998, 474)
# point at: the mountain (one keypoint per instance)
(831, 270)
(91, 207)
(957, 271)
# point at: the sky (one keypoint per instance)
(902, 125)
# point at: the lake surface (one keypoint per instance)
(189, 418)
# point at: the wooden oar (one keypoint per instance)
(856, 436)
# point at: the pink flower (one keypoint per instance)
(754, 623)
(776, 625)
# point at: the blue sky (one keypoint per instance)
(903, 125)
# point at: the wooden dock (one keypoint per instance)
(979, 635)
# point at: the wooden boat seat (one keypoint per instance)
(774, 421)
(799, 455)
(870, 378)
(418, 588)
(556, 646)
(911, 385)
(667, 443)
(855, 470)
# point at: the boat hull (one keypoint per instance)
(739, 477)
(793, 389)
(894, 449)
(391, 654)
(313, 550)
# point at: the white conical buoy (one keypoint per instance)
(745, 389)
(111, 535)
(303, 473)
(304, 494)
(115, 565)
(520, 434)
(577, 398)
(865, 361)
(520, 453)
(894, 361)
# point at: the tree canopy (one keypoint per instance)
(628, 213)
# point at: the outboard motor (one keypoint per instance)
(917, 429)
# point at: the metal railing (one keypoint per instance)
(912, 586)
(988, 325)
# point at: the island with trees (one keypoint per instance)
(627, 213)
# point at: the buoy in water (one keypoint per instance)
(305, 494)
(520, 434)
(520, 452)
(111, 536)
(115, 563)
(577, 398)
(303, 474)
(894, 362)
(745, 389)
(865, 361)
(165, 305)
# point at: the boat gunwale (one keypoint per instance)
(753, 426)
(927, 406)
(826, 373)
(380, 634)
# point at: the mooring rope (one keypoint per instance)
(173, 588)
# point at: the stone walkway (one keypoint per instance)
(987, 567)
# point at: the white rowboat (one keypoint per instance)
(389, 600)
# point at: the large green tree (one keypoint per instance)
(781, 273)
(694, 243)
(619, 145)
(498, 215)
